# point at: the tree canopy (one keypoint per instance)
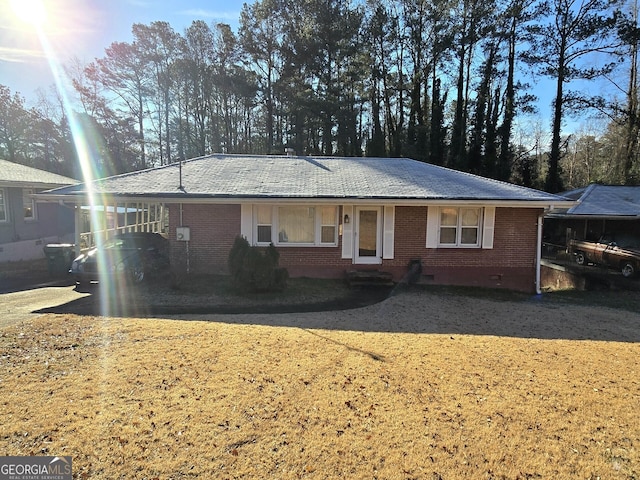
(441, 81)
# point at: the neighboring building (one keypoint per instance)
(328, 215)
(599, 210)
(26, 226)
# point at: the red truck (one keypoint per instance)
(623, 254)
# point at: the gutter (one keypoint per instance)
(333, 200)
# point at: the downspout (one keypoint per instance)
(539, 254)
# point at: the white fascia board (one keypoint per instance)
(82, 199)
(381, 201)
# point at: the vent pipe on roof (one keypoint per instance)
(290, 152)
(180, 186)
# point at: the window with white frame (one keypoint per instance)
(263, 219)
(3, 206)
(328, 225)
(29, 204)
(460, 227)
(304, 225)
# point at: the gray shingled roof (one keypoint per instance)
(282, 177)
(21, 175)
(605, 201)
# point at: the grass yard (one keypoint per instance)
(175, 399)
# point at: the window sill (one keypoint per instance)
(299, 245)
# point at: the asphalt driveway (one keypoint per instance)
(20, 305)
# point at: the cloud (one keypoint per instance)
(212, 14)
(19, 55)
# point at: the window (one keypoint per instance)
(29, 204)
(263, 223)
(460, 227)
(328, 225)
(3, 206)
(296, 225)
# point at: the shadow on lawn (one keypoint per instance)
(139, 306)
(412, 309)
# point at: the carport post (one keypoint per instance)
(76, 234)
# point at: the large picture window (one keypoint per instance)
(305, 225)
(296, 224)
(460, 227)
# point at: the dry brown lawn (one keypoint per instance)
(422, 386)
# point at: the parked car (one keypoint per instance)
(621, 253)
(128, 256)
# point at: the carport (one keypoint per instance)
(612, 209)
(94, 221)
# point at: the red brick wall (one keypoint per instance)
(510, 264)
(213, 229)
(514, 242)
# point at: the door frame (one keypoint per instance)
(367, 260)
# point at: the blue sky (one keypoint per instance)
(82, 29)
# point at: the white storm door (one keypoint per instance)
(368, 236)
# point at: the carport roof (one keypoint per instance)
(604, 201)
(251, 177)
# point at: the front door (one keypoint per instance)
(368, 235)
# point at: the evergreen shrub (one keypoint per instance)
(255, 269)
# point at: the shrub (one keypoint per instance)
(255, 269)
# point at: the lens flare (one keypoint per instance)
(30, 11)
(89, 159)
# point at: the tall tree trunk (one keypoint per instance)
(506, 153)
(553, 182)
(376, 146)
(458, 133)
(632, 127)
(436, 127)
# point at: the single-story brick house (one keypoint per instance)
(329, 215)
(26, 226)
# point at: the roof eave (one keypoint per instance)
(46, 186)
(185, 198)
(587, 216)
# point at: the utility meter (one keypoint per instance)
(183, 234)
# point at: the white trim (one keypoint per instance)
(404, 202)
(488, 227)
(27, 194)
(388, 219)
(347, 232)
(5, 205)
(246, 222)
(539, 254)
(275, 227)
(433, 226)
(377, 258)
